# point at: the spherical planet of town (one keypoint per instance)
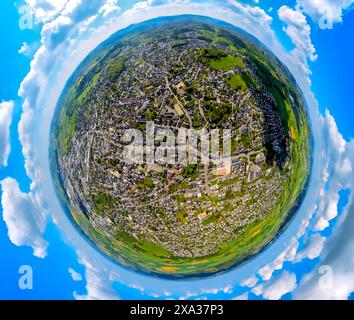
(181, 147)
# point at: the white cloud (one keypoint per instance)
(99, 283)
(48, 10)
(72, 18)
(325, 9)
(338, 162)
(75, 275)
(23, 218)
(226, 289)
(299, 32)
(28, 50)
(109, 7)
(6, 111)
(288, 254)
(24, 49)
(333, 134)
(312, 249)
(277, 287)
(329, 212)
(255, 15)
(242, 297)
(45, 10)
(249, 282)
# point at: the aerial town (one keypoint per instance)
(197, 79)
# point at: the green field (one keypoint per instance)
(227, 63)
(241, 82)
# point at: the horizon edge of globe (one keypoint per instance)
(200, 266)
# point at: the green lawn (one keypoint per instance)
(241, 82)
(227, 63)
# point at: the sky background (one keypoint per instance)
(66, 270)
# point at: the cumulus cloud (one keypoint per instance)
(330, 211)
(337, 172)
(276, 288)
(6, 110)
(72, 18)
(28, 50)
(48, 10)
(75, 275)
(24, 49)
(226, 289)
(45, 10)
(98, 283)
(249, 282)
(321, 10)
(254, 14)
(109, 7)
(299, 32)
(23, 218)
(242, 297)
(312, 248)
(288, 254)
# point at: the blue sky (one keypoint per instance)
(333, 72)
(323, 213)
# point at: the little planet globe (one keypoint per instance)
(170, 77)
